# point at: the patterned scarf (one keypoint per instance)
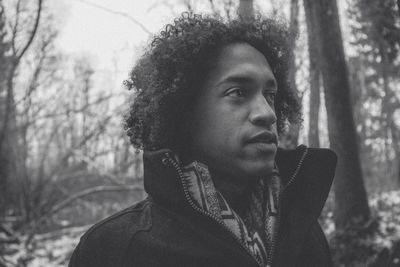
(258, 226)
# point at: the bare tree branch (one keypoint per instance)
(33, 33)
(53, 114)
(33, 225)
(46, 42)
(246, 9)
(14, 65)
(165, 3)
(227, 8)
(65, 203)
(99, 129)
(188, 5)
(65, 231)
(15, 27)
(91, 191)
(123, 14)
(213, 8)
(45, 153)
(398, 6)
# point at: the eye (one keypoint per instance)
(235, 92)
(270, 97)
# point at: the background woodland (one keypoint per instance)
(65, 161)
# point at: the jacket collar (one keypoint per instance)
(309, 170)
(303, 200)
(306, 173)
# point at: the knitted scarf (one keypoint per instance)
(258, 226)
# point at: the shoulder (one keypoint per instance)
(313, 161)
(288, 156)
(107, 240)
(123, 222)
(322, 155)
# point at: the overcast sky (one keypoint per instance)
(112, 40)
(108, 37)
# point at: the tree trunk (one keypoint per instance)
(351, 205)
(3, 77)
(290, 139)
(8, 141)
(246, 10)
(294, 129)
(313, 131)
(388, 110)
(9, 145)
(396, 146)
(398, 6)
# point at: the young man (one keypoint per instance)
(211, 100)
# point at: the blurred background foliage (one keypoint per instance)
(65, 161)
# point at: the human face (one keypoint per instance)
(234, 126)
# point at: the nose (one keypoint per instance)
(262, 113)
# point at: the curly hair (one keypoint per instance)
(171, 72)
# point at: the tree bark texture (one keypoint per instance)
(313, 54)
(4, 69)
(246, 10)
(294, 129)
(351, 205)
(9, 146)
(398, 6)
(291, 137)
(389, 106)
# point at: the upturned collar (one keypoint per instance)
(313, 167)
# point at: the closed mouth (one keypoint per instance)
(264, 137)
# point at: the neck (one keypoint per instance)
(237, 193)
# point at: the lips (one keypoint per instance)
(263, 137)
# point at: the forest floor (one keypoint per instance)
(53, 249)
(376, 242)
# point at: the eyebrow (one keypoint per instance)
(246, 79)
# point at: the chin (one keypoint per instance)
(257, 171)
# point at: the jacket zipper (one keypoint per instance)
(201, 211)
(196, 208)
(291, 180)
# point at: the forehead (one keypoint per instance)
(241, 60)
(242, 52)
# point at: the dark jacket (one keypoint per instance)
(165, 229)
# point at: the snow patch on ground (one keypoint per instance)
(54, 249)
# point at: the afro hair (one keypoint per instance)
(171, 72)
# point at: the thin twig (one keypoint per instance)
(91, 191)
(15, 63)
(34, 30)
(123, 14)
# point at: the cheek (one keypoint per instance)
(214, 131)
(216, 134)
(217, 127)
